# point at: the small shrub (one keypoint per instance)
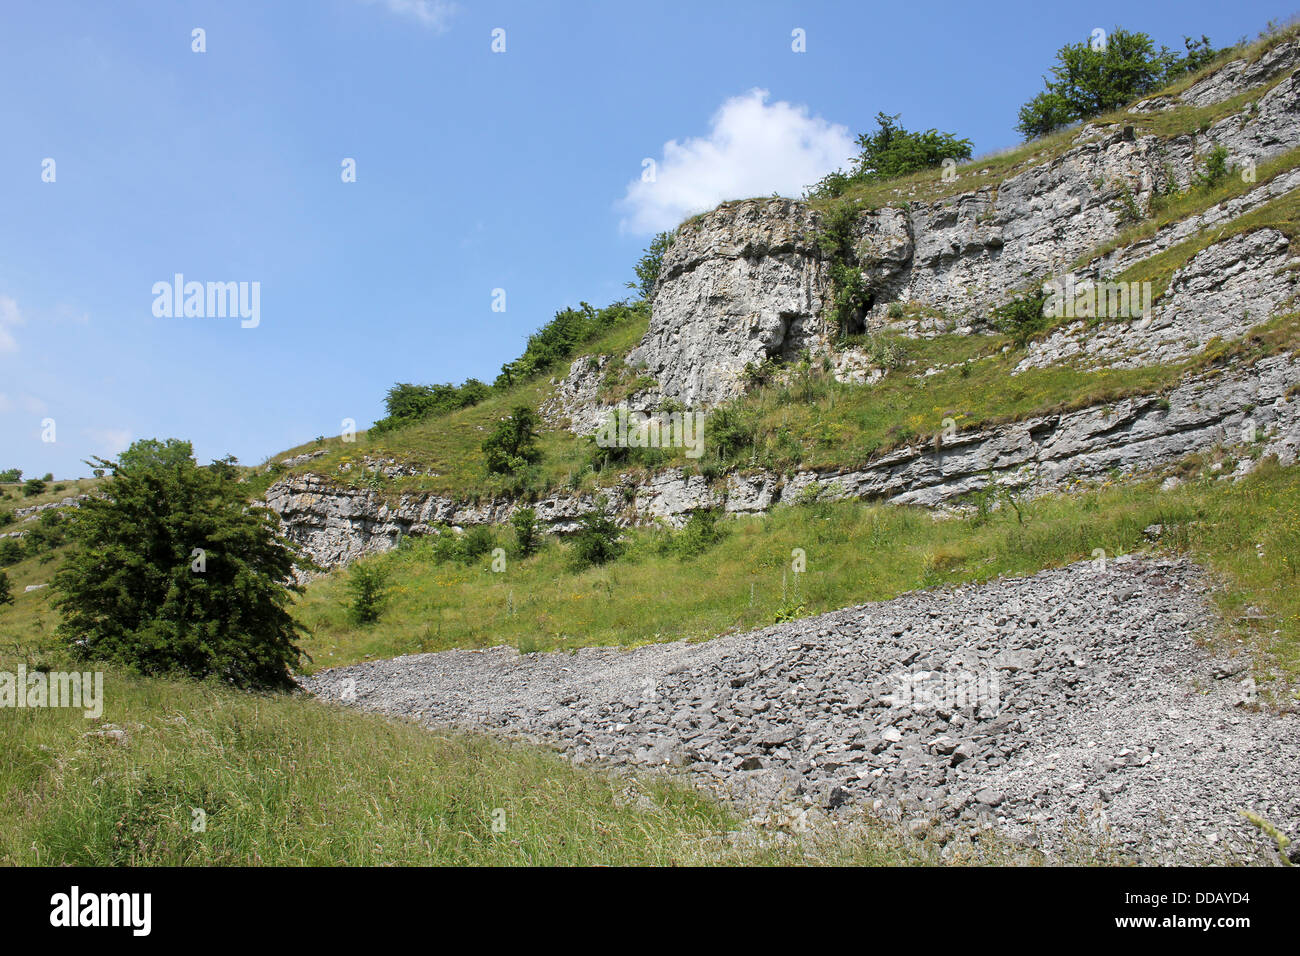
(700, 533)
(1022, 318)
(476, 542)
(597, 541)
(33, 487)
(1215, 169)
(512, 446)
(368, 585)
(524, 521)
(11, 552)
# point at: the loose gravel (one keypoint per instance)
(1075, 707)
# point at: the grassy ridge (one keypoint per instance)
(855, 553)
(450, 446)
(807, 419)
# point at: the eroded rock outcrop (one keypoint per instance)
(746, 281)
(1249, 408)
(740, 284)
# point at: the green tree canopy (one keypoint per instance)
(1104, 73)
(172, 572)
(648, 266)
(512, 446)
(892, 151)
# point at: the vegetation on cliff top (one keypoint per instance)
(1106, 72)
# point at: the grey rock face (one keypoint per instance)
(1041, 454)
(740, 284)
(576, 403)
(1222, 292)
(72, 501)
(1239, 75)
(1073, 700)
(745, 281)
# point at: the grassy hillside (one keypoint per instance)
(449, 447)
(803, 419)
(855, 553)
(286, 781)
(12, 497)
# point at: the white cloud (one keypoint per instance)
(434, 14)
(753, 148)
(9, 317)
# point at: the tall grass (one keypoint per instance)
(855, 553)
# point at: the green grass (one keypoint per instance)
(450, 446)
(855, 553)
(287, 781)
(12, 498)
(1282, 214)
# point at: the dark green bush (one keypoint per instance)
(1092, 78)
(527, 534)
(892, 151)
(512, 446)
(598, 540)
(476, 542)
(133, 590)
(368, 585)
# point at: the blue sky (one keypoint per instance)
(475, 171)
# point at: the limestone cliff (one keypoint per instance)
(747, 282)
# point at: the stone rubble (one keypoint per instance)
(1075, 710)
